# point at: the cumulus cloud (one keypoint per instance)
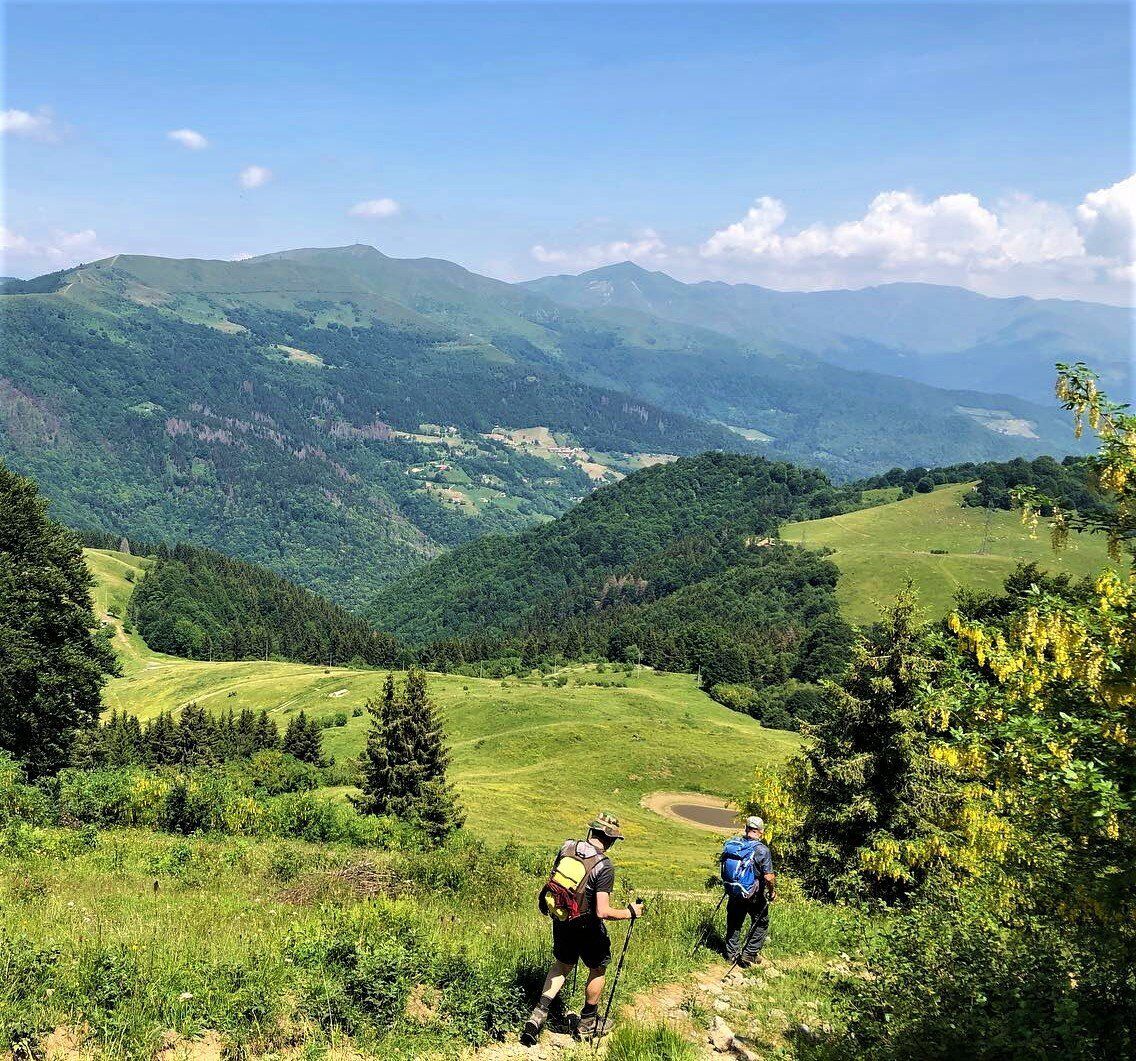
(38, 126)
(190, 138)
(254, 176)
(57, 250)
(375, 208)
(1018, 245)
(1107, 218)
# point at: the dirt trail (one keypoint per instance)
(707, 993)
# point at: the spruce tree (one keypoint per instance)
(160, 744)
(405, 760)
(303, 740)
(266, 737)
(197, 737)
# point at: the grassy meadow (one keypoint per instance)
(128, 944)
(131, 944)
(878, 548)
(532, 762)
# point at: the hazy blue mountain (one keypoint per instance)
(945, 336)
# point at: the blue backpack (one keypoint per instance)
(739, 867)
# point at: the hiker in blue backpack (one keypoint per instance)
(751, 884)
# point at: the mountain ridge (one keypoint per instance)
(340, 416)
(945, 336)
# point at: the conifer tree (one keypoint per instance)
(405, 760)
(197, 737)
(160, 746)
(303, 740)
(266, 737)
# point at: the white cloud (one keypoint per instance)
(1018, 245)
(1107, 218)
(38, 126)
(254, 176)
(57, 250)
(645, 244)
(375, 208)
(190, 138)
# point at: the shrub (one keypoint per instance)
(275, 772)
(973, 979)
(19, 801)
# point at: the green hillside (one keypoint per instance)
(326, 438)
(530, 762)
(877, 549)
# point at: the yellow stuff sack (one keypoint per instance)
(562, 898)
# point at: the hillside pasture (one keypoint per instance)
(532, 762)
(877, 549)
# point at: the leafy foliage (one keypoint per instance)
(1026, 726)
(52, 667)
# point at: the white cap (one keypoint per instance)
(754, 822)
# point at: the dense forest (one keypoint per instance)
(200, 604)
(138, 421)
(487, 587)
(676, 567)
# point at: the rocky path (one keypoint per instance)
(699, 1007)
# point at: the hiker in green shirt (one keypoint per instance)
(578, 899)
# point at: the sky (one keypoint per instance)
(799, 146)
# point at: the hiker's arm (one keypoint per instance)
(771, 886)
(606, 912)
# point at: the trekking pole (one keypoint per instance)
(709, 925)
(614, 984)
(742, 948)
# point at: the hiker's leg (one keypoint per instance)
(595, 986)
(735, 919)
(553, 982)
(759, 928)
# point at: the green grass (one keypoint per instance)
(532, 764)
(279, 948)
(878, 548)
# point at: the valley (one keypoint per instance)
(342, 416)
(514, 741)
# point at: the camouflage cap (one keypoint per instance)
(607, 825)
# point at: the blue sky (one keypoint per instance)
(743, 142)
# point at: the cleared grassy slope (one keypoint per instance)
(532, 763)
(878, 548)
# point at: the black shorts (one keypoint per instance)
(585, 940)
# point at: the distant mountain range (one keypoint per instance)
(945, 336)
(341, 416)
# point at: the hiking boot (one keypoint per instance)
(591, 1026)
(530, 1033)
